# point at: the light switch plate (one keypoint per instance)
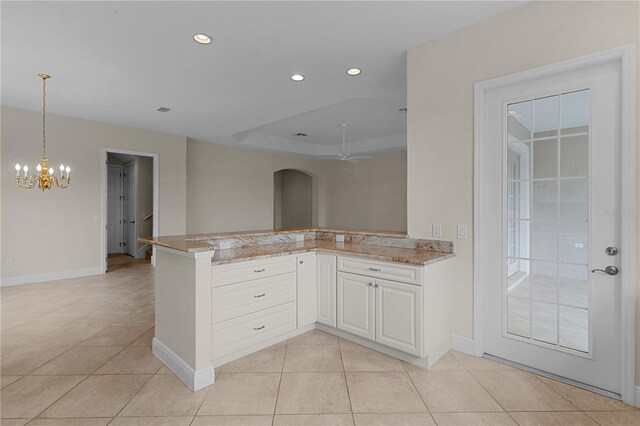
(436, 230)
(462, 232)
(340, 238)
(299, 237)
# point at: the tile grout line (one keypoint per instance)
(485, 389)
(418, 392)
(284, 359)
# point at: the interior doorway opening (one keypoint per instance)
(293, 198)
(130, 205)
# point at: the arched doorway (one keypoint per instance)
(292, 198)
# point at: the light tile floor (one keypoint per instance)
(77, 352)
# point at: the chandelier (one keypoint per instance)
(45, 179)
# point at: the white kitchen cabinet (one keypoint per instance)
(356, 305)
(399, 316)
(307, 294)
(326, 289)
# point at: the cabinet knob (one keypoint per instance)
(377, 285)
(301, 262)
(370, 284)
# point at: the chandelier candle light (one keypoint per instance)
(45, 179)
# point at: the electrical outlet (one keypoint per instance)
(224, 245)
(462, 232)
(339, 238)
(299, 237)
(436, 230)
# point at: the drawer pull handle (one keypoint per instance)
(374, 269)
(260, 295)
(258, 328)
(259, 270)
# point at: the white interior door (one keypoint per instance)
(129, 221)
(549, 186)
(114, 209)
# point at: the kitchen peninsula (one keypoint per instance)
(223, 296)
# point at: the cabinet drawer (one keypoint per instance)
(240, 333)
(235, 300)
(251, 270)
(389, 271)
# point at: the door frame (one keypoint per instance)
(156, 214)
(133, 164)
(119, 166)
(628, 251)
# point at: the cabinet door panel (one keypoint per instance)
(306, 289)
(399, 316)
(356, 305)
(326, 286)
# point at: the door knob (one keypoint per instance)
(609, 270)
(611, 251)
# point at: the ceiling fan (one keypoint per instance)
(344, 155)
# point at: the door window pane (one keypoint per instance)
(574, 152)
(545, 117)
(545, 201)
(546, 220)
(545, 159)
(574, 112)
(519, 122)
(574, 199)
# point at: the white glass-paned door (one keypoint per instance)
(547, 219)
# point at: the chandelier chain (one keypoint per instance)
(44, 116)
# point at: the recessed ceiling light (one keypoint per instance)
(354, 71)
(202, 38)
(297, 77)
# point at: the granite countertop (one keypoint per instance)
(296, 230)
(201, 242)
(390, 246)
(384, 253)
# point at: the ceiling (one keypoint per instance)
(118, 62)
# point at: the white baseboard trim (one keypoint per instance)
(50, 276)
(462, 344)
(196, 380)
(637, 395)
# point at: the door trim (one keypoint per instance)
(628, 253)
(134, 246)
(121, 230)
(156, 213)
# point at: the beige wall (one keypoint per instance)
(60, 230)
(369, 194)
(441, 75)
(238, 194)
(231, 188)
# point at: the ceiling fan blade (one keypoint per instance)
(327, 157)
